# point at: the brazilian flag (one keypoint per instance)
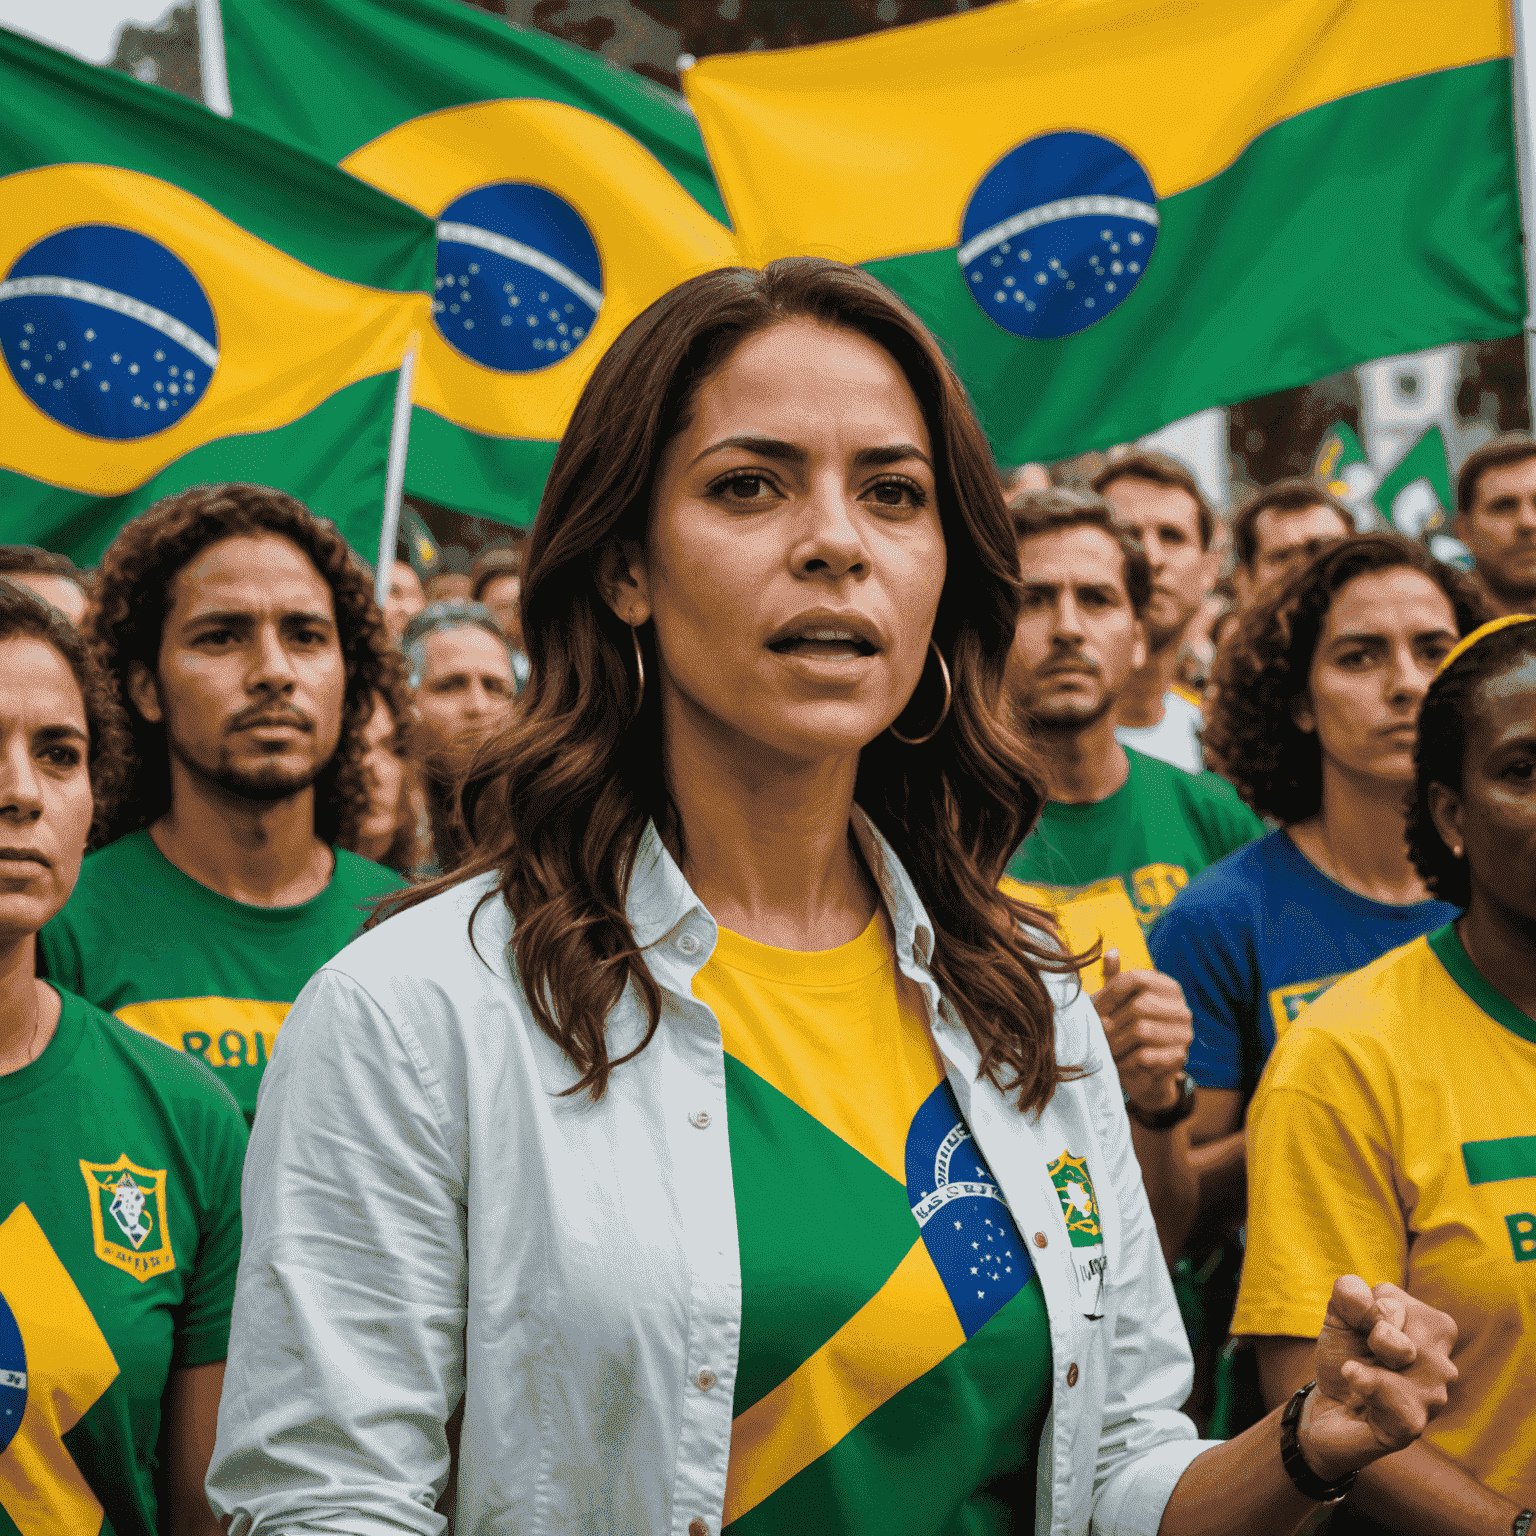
(1119, 212)
(567, 195)
(185, 299)
(1415, 494)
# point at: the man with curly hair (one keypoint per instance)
(241, 634)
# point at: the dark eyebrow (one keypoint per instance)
(306, 617)
(789, 453)
(895, 453)
(61, 733)
(767, 447)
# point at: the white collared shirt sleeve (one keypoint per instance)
(1145, 1442)
(346, 1352)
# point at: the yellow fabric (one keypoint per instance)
(905, 1329)
(1356, 1165)
(924, 111)
(224, 1031)
(289, 336)
(45, 1492)
(650, 234)
(817, 1025)
(1102, 913)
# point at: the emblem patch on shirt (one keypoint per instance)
(967, 1227)
(128, 1220)
(1074, 1188)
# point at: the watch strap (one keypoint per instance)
(1166, 1119)
(1301, 1475)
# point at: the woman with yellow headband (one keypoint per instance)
(1394, 1133)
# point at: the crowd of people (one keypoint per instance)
(831, 988)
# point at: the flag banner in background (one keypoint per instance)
(1116, 213)
(1342, 465)
(184, 299)
(567, 193)
(1415, 495)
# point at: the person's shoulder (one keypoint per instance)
(1237, 879)
(104, 872)
(181, 1079)
(1366, 1018)
(361, 878)
(1211, 799)
(429, 939)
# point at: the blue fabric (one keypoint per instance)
(1259, 935)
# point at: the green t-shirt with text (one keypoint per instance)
(119, 1242)
(196, 970)
(1108, 870)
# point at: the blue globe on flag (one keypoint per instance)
(1057, 234)
(107, 331)
(519, 281)
(13, 1376)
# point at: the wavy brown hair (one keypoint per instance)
(24, 613)
(1263, 666)
(127, 620)
(560, 802)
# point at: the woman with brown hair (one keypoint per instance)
(721, 1147)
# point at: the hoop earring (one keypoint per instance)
(917, 741)
(634, 635)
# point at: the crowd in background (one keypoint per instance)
(1244, 826)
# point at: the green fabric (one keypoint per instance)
(333, 460)
(1447, 946)
(974, 1474)
(821, 1229)
(139, 931)
(98, 1093)
(1491, 1162)
(1381, 223)
(1426, 460)
(296, 70)
(1160, 815)
(796, 1183)
(62, 112)
(58, 109)
(498, 477)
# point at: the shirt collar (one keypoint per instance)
(659, 897)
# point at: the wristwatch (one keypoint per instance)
(1291, 1455)
(1166, 1119)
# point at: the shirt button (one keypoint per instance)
(1072, 1374)
(705, 1379)
(697, 1527)
(1041, 1239)
(699, 1119)
(689, 944)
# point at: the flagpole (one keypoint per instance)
(210, 44)
(394, 476)
(1525, 148)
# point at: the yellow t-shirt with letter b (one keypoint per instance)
(1393, 1136)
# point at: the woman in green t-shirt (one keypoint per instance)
(120, 1221)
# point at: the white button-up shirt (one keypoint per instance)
(430, 1227)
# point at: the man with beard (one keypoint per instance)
(1121, 833)
(1496, 520)
(242, 637)
(1163, 502)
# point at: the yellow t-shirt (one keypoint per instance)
(895, 1364)
(1393, 1136)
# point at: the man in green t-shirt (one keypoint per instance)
(243, 639)
(1121, 833)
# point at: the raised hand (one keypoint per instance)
(1149, 1028)
(1383, 1362)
